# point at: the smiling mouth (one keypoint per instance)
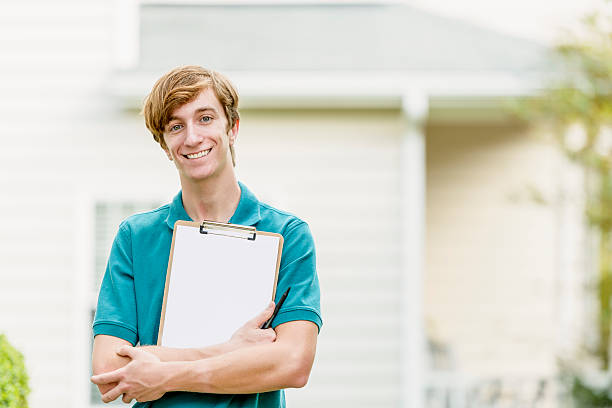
(198, 154)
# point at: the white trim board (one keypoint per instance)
(380, 89)
(452, 97)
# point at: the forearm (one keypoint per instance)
(254, 369)
(168, 354)
(263, 367)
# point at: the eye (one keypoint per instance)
(176, 127)
(205, 119)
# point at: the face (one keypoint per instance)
(197, 138)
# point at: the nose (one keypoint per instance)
(192, 138)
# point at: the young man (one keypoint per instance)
(192, 113)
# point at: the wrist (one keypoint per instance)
(185, 376)
(212, 351)
(170, 370)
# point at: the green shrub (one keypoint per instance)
(13, 377)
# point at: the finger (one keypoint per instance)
(262, 317)
(271, 333)
(112, 394)
(143, 397)
(106, 378)
(126, 398)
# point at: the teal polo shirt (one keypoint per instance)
(132, 290)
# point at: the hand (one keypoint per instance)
(141, 379)
(251, 332)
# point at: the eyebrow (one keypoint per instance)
(206, 108)
(199, 110)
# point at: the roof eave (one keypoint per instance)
(446, 91)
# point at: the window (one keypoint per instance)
(107, 217)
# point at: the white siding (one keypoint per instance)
(53, 55)
(339, 171)
(61, 138)
(64, 139)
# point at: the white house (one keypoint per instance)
(381, 125)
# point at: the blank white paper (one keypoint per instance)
(217, 283)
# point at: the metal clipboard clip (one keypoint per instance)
(229, 230)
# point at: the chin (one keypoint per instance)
(201, 175)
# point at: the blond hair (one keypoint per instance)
(180, 86)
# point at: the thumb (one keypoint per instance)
(127, 351)
(261, 318)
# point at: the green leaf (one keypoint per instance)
(14, 387)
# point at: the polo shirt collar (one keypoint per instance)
(247, 212)
(177, 211)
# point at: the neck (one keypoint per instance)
(213, 199)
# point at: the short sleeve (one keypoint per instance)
(298, 271)
(116, 311)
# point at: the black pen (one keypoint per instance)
(267, 324)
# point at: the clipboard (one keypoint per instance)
(219, 276)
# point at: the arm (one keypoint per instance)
(105, 358)
(285, 363)
(249, 334)
(264, 367)
(188, 354)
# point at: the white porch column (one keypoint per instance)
(415, 107)
(573, 250)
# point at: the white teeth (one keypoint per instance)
(198, 155)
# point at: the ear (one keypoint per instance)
(233, 132)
